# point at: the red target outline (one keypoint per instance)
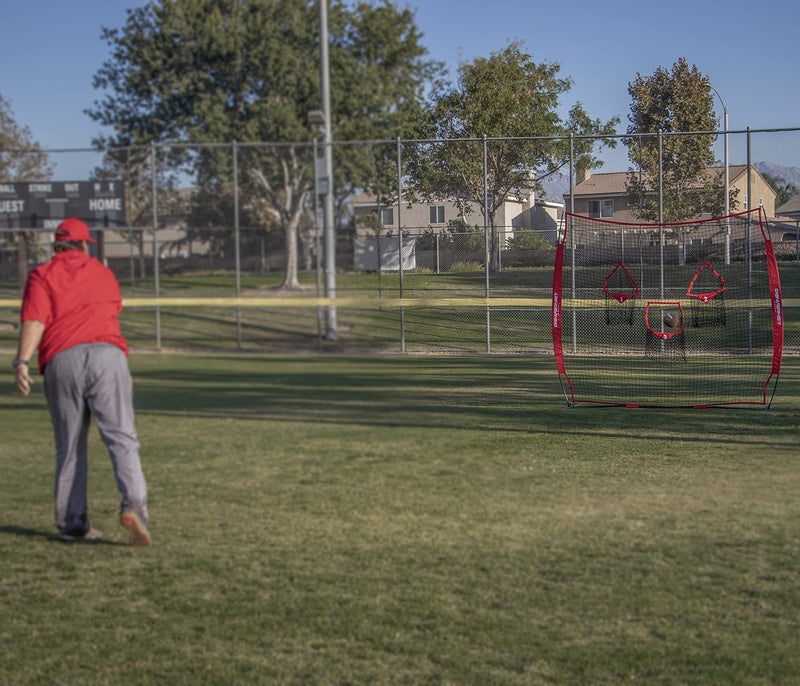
(663, 335)
(621, 297)
(705, 297)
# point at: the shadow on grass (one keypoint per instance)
(11, 530)
(505, 394)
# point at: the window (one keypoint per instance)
(437, 214)
(745, 203)
(601, 209)
(387, 216)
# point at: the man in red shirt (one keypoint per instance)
(69, 312)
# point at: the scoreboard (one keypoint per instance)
(45, 204)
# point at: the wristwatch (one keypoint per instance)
(16, 363)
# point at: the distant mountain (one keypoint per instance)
(788, 174)
(554, 187)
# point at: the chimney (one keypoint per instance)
(582, 174)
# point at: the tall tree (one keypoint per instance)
(134, 166)
(672, 101)
(213, 71)
(21, 157)
(784, 191)
(514, 101)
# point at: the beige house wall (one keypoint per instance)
(116, 243)
(622, 211)
(612, 187)
(761, 190)
(511, 216)
(414, 217)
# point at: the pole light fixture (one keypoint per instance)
(317, 118)
(725, 137)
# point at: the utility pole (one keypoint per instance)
(330, 233)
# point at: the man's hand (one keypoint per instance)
(24, 380)
(30, 334)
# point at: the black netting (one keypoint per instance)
(666, 315)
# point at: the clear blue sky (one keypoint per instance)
(50, 49)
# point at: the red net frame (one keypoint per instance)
(728, 262)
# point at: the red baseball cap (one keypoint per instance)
(73, 230)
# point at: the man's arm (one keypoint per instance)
(29, 336)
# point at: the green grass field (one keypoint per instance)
(393, 519)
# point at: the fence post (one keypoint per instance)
(22, 261)
(237, 250)
(661, 207)
(660, 177)
(486, 238)
(379, 217)
(748, 245)
(156, 284)
(568, 232)
(128, 205)
(317, 244)
(400, 233)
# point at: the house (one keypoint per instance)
(422, 225)
(790, 209)
(786, 228)
(418, 218)
(604, 196)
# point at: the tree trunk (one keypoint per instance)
(290, 281)
(494, 243)
(22, 261)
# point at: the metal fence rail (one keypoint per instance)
(447, 308)
(190, 241)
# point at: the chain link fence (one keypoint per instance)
(426, 273)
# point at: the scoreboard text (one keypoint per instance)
(45, 204)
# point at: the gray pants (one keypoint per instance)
(85, 381)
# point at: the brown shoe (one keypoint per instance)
(139, 535)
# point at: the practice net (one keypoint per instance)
(667, 315)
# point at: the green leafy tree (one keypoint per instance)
(378, 65)
(213, 71)
(133, 164)
(527, 239)
(784, 190)
(21, 157)
(514, 101)
(671, 101)
(462, 236)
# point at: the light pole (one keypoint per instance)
(329, 248)
(727, 169)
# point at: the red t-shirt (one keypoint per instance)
(77, 298)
